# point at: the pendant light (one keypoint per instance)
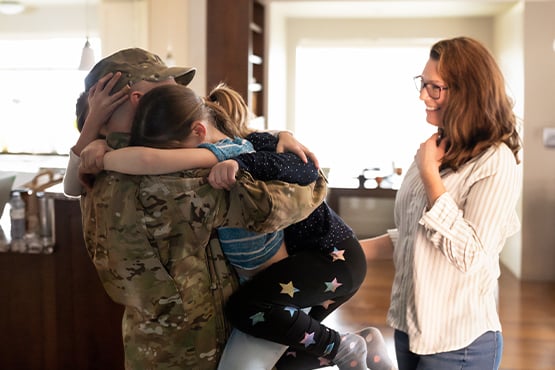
(8, 7)
(87, 55)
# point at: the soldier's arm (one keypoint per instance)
(272, 205)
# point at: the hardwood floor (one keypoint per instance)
(527, 311)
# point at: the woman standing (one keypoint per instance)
(453, 213)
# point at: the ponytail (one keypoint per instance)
(231, 113)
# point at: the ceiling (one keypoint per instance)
(39, 3)
(353, 8)
(391, 8)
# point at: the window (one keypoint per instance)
(40, 85)
(357, 108)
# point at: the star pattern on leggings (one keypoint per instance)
(337, 254)
(288, 289)
(327, 303)
(308, 339)
(332, 285)
(257, 317)
(290, 309)
(324, 361)
(328, 349)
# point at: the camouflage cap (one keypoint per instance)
(137, 64)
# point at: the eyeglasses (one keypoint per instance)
(433, 90)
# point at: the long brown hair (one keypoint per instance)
(233, 104)
(479, 113)
(165, 114)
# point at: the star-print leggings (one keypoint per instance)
(269, 306)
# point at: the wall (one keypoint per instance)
(538, 233)
(179, 26)
(123, 24)
(52, 21)
(524, 46)
(159, 26)
(509, 48)
(374, 30)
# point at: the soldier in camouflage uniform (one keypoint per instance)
(149, 238)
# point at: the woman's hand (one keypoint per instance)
(428, 160)
(222, 175)
(288, 143)
(429, 155)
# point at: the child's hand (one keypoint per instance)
(92, 157)
(222, 175)
(288, 143)
(100, 107)
(101, 103)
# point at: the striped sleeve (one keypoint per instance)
(476, 226)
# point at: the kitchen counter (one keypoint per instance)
(40, 235)
(55, 313)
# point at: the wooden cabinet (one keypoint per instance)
(54, 312)
(236, 49)
(369, 212)
(335, 194)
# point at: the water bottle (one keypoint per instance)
(17, 218)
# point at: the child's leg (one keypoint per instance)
(269, 305)
(377, 356)
(243, 351)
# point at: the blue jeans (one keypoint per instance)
(482, 354)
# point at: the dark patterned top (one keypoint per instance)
(323, 229)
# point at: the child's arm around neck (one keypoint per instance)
(139, 160)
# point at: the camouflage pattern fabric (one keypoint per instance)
(149, 238)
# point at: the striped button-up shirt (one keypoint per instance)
(447, 258)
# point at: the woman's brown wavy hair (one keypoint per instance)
(479, 113)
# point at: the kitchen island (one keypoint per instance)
(54, 312)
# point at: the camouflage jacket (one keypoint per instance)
(149, 238)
